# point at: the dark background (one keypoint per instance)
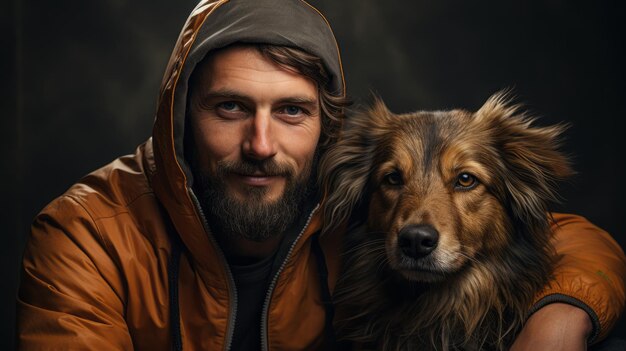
(80, 81)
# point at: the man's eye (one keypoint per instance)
(231, 110)
(229, 106)
(292, 110)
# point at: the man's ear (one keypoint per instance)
(345, 167)
(531, 162)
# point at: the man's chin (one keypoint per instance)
(253, 195)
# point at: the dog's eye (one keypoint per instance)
(393, 178)
(465, 181)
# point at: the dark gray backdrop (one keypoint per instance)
(80, 79)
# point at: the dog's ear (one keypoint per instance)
(530, 162)
(345, 167)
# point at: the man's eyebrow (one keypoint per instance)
(224, 94)
(300, 100)
(234, 95)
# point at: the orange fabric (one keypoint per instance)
(95, 275)
(95, 269)
(591, 268)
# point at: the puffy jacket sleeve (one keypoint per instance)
(70, 295)
(590, 272)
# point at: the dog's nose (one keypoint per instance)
(418, 240)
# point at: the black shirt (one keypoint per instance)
(252, 282)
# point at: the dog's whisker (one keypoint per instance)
(468, 257)
(384, 262)
(364, 245)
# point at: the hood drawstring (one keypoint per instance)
(329, 331)
(173, 268)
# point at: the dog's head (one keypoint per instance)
(444, 188)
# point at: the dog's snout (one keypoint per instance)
(418, 240)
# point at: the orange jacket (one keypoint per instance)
(98, 264)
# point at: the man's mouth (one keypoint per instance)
(258, 179)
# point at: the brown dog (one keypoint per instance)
(456, 237)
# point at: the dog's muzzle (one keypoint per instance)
(418, 241)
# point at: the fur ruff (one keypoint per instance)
(494, 251)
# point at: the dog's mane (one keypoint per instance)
(484, 305)
(476, 309)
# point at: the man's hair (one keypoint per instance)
(332, 103)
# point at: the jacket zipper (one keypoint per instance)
(232, 289)
(270, 290)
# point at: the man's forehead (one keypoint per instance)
(246, 56)
(243, 71)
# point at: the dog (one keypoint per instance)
(454, 238)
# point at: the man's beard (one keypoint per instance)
(254, 217)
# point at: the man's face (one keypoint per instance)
(256, 128)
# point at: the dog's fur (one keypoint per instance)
(493, 255)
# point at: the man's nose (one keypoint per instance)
(260, 142)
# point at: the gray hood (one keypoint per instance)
(213, 25)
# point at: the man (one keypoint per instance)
(208, 236)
